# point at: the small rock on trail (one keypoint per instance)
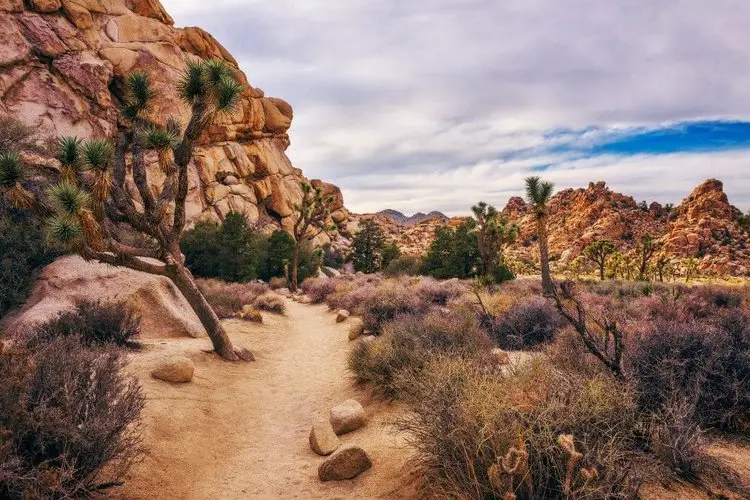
(347, 463)
(323, 440)
(347, 417)
(342, 316)
(178, 370)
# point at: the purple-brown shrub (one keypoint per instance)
(69, 420)
(227, 299)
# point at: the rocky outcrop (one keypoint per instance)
(163, 310)
(61, 64)
(703, 226)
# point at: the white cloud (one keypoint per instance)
(415, 105)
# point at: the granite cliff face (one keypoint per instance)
(703, 226)
(61, 62)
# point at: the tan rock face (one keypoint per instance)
(60, 61)
(703, 226)
(164, 312)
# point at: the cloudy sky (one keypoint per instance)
(425, 105)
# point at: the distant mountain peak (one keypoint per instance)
(406, 220)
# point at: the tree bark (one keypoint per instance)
(295, 267)
(547, 286)
(601, 270)
(184, 281)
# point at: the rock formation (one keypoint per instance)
(703, 226)
(61, 67)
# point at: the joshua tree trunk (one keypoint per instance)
(295, 268)
(183, 279)
(601, 271)
(547, 286)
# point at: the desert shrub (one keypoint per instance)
(68, 420)
(389, 302)
(22, 252)
(527, 324)
(405, 265)
(454, 253)
(270, 302)
(535, 432)
(249, 313)
(95, 322)
(409, 342)
(354, 293)
(277, 283)
(705, 363)
(227, 299)
(279, 256)
(439, 292)
(318, 289)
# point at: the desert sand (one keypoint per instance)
(240, 430)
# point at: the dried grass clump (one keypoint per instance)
(249, 313)
(527, 325)
(408, 343)
(387, 303)
(95, 322)
(438, 292)
(533, 433)
(270, 302)
(69, 420)
(227, 299)
(318, 289)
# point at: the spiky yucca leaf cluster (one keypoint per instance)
(138, 95)
(73, 222)
(70, 158)
(212, 82)
(98, 156)
(12, 174)
(161, 140)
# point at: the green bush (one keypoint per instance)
(454, 253)
(371, 251)
(235, 252)
(230, 251)
(405, 265)
(22, 252)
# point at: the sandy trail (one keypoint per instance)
(240, 430)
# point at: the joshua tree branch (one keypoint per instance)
(139, 175)
(129, 261)
(182, 155)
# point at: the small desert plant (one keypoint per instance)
(95, 322)
(439, 292)
(318, 289)
(405, 265)
(705, 363)
(528, 324)
(69, 420)
(249, 313)
(228, 298)
(409, 342)
(270, 302)
(534, 432)
(389, 302)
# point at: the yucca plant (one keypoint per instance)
(12, 174)
(538, 194)
(70, 158)
(311, 217)
(92, 210)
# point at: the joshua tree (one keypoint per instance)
(92, 212)
(538, 194)
(598, 252)
(690, 268)
(646, 250)
(493, 233)
(311, 216)
(663, 266)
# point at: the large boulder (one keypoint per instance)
(347, 463)
(347, 417)
(162, 308)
